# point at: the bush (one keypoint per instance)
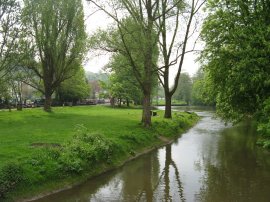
(172, 127)
(85, 150)
(263, 126)
(10, 176)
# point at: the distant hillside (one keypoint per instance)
(91, 76)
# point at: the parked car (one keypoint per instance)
(28, 104)
(101, 101)
(39, 102)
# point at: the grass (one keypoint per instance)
(105, 137)
(21, 129)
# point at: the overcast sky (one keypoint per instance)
(95, 63)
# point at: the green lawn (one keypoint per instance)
(109, 137)
(18, 130)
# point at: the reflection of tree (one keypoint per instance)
(169, 162)
(139, 180)
(150, 180)
(143, 178)
(167, 173)
(240, 174)
(139, 177)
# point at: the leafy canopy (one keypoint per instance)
(236, 56)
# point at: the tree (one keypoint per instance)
(55, 42)
(203, 92)
(183, 91)
(5, 93)
(123, 84)
(9, 32)
(74, 88)
(176, 19)
(15, 83)
(137, 38)
(236, 55)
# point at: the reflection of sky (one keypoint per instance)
(109, 192)
(195, 148)
(191, 152)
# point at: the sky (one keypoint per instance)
(95, 63)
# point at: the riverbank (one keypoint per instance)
(43, 152)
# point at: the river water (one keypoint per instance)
(211, 162)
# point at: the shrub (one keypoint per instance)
(10, 176)
(263, 126)
(171, 127)
(85, 150)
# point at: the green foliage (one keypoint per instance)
(10, 27)
(54, 42)
(264, 124)
(123, 85)
(75, 88)
(10, 176)
(4, 92)
(236, 56)
(136, 45)
(84, 152)
(88, 149)
(179, 123)
(129, 52)
(91, 76)
(203, 92)
(184, 88)
(105, 137)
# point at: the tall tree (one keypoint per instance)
(74, 88)
(183, 91)
(55, 42)
(176, 24)
(124, 85)
(5, 94)
(136, 30)
(236, 55)
(9, 32)
(203, 92)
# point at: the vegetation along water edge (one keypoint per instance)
(45, 152)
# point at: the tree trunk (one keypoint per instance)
(20, 102)
(48, 103)
(168, 106)
(120, 102)
(112, 101)
(8, 104)
(146, 115)
(127, 102)
(19, 107)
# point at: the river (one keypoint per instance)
(210, 162)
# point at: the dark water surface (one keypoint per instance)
(211, 162)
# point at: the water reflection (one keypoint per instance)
(140, 180)
(242, 172)
(169, 163)
(211, 162)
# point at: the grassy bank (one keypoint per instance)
(40, 152)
